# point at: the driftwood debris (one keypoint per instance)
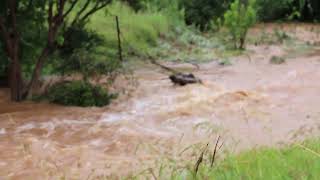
(176, 77)
(184, 79)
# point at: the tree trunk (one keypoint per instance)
(9, 32)
(34, 83)
(242, 42)
(54, 22)
(14, 72)
(15, 79)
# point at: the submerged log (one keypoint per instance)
(184, 79)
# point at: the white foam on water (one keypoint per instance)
(154, 131)
(76, 122)
(111, 118)
(96, 142)
(25, 127)
(292, 74)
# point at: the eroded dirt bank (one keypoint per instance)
(249, 103)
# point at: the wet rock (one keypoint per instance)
(184, 79)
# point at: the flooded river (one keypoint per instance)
(249, 103)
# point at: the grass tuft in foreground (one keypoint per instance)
(296, 161)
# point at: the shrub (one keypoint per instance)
(79, 37)
(273, 9)
(81, 52)
(79, 93)
(304, 10)
(87, 64)
(201, 12)
(238, 19)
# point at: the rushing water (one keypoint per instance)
(248, 103)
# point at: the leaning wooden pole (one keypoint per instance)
(119, 39)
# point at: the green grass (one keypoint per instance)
(158, 33)
(292, 162)
(296, 161)
(140, 30)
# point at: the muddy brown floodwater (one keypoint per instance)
(249, 103)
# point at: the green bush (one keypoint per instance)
(303, 10)
(273, 9)
(79, 93)
(82, 52)
(238, 19)
(79, 37)
(87, 64)
(201, 12)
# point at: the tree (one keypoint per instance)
(61, 16)
(55, 21)
(11, 43)
(11, 14)
(238, 19)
